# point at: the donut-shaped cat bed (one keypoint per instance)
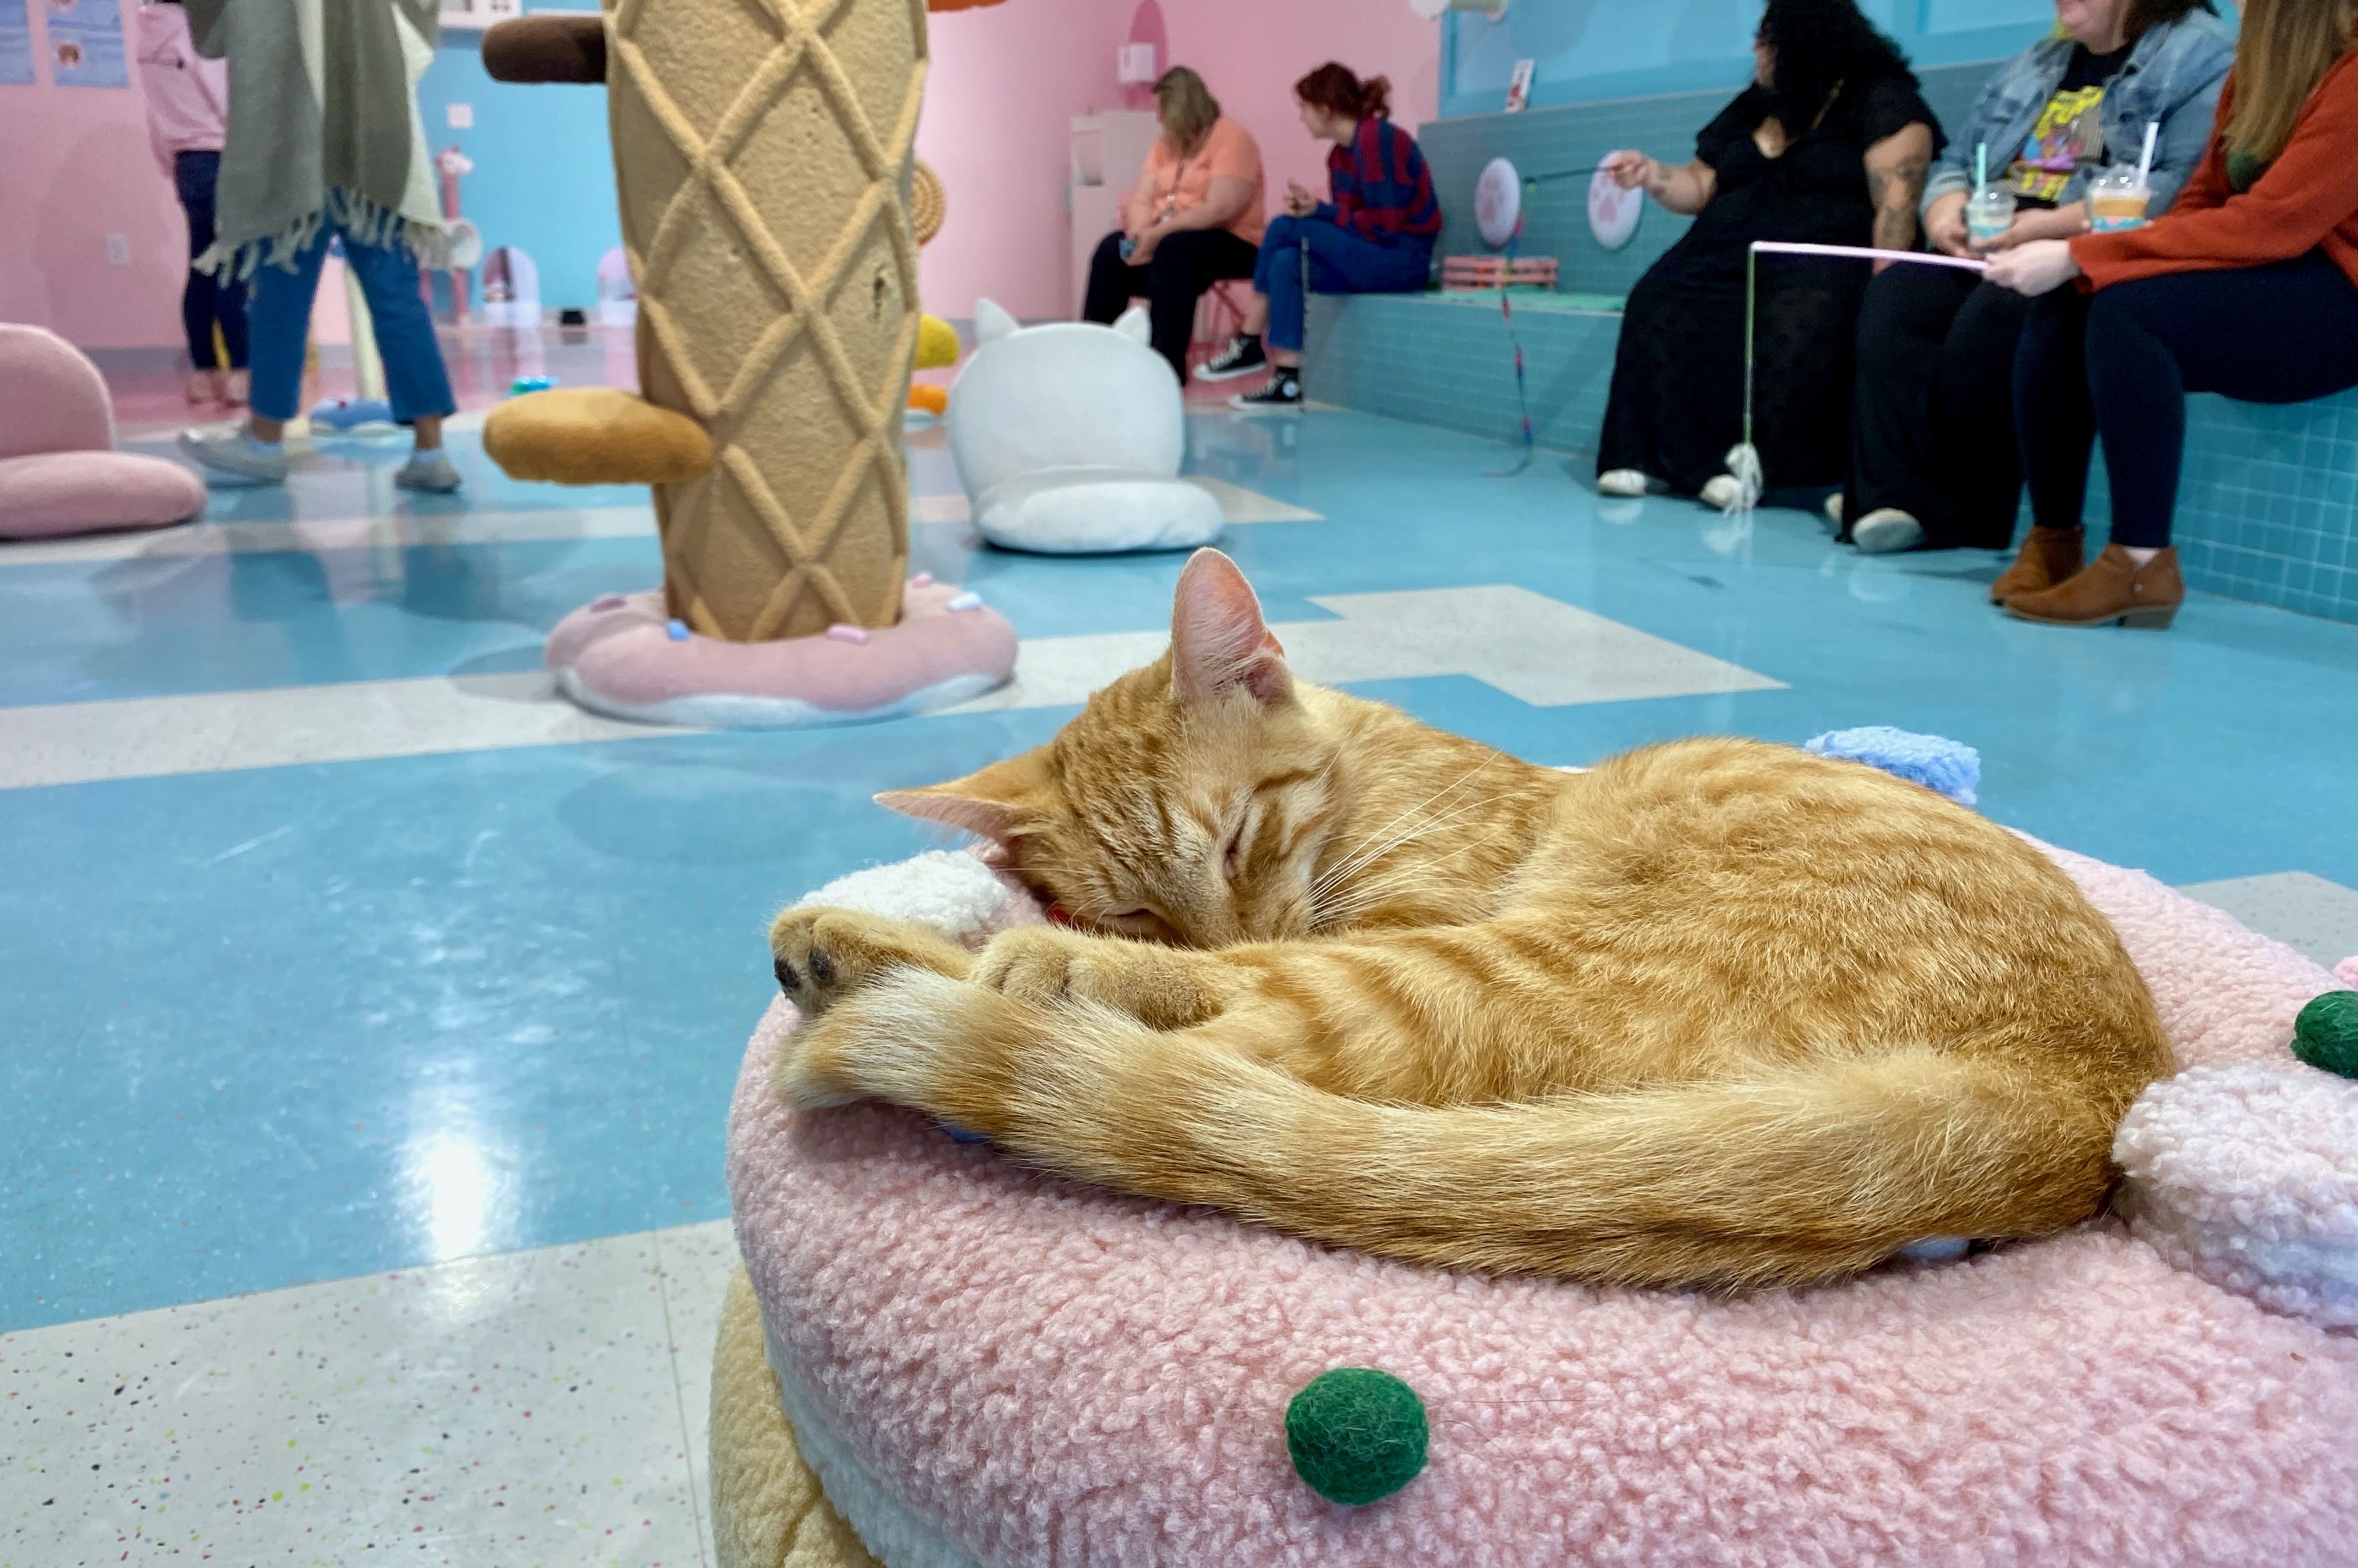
(985, 1365)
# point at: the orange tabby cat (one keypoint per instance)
(1715, 1012)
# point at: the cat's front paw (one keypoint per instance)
(820, 955)
(891, 1041)
(1046, 967)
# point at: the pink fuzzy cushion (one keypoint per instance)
(52, 398)
(52, 495)
(1050, 1374)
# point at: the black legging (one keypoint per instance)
(1933, 420)
(204, 301)
(2121, 361)
(1185, 264)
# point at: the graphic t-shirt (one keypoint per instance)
(2069, 134)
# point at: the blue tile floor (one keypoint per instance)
(338, 950)
(294, 1022)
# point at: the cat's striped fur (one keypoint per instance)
(1715, 1012)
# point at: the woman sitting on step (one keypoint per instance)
(1193, 221)
(1828, 145)
(1374, 235)
(2249, 287)
(1932, 460)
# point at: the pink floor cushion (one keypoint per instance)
(48, 494)
(990, 1366)
(59, 470)
(621, 655)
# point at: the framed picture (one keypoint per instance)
(1518, 86)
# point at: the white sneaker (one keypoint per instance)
(236, 454)
(1834, 510)
(1626, 481)
(1887, 530)
(430, 472)
(1725, 492)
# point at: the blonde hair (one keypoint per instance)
(2283, 50)
(1187, 107)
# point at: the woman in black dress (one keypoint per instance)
(1828, 145)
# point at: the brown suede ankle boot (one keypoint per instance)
(2048, 557)
(2113, 587)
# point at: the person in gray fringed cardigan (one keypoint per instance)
(324, 144)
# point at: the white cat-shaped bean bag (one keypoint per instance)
(1067, 437)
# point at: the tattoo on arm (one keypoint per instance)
(1895, 187)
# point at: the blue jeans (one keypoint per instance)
(280, 313)
(204, 301)
(1341, 262)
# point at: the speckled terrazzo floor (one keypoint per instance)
(534, 1409)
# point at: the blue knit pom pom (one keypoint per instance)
(1948, 767)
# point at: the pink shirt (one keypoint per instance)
(187, 95)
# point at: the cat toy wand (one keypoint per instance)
(1507, 312)
(1744, 459)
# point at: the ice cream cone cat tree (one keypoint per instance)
(762, 157)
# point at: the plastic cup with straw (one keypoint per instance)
(1990, 210)
(2117, 199)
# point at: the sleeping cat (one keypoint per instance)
(1716, 1013)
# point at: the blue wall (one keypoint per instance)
(1591, 49)
(543, 176)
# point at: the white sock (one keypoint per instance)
(2141, 554)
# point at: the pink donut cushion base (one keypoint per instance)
(617, 656)
(1055, 1375)
(49, 495)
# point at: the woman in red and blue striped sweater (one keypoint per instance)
(1374, 237)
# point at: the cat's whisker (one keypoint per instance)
(1377, 849)
(1359, 857)
(1417, 833)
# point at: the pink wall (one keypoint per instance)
(76, 168)
(1006, 80)
(1251, 52)
(1006, 83)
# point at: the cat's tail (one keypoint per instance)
(1781, 1177)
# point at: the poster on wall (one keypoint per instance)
(1518, 86)
(86, 44)
(15, 45)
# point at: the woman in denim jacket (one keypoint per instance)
(1933, 442)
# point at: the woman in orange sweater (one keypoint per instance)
(2248, 287)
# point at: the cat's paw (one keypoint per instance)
(1044, 966)
(820, 955)
(890, 1041)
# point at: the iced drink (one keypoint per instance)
(1989, 214)
(2117, 200)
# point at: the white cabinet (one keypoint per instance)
(1109, 150)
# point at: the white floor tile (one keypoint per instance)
(2297, 908)
(1526, 644)
(510, 1411)
(394, 531)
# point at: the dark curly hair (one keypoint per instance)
(1820, 45)
(1337, 90)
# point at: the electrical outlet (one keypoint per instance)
(461, 116)
(118, 250)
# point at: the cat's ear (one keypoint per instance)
(992, 804)
(991, 321)
(1219, 642)
(1135, 325)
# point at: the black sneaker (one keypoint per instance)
(1241, 357)
(1284, 391)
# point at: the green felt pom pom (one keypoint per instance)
(1356, 1434)
(2326, 1034)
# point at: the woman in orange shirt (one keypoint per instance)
(2248, 287)
(1196, 218)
